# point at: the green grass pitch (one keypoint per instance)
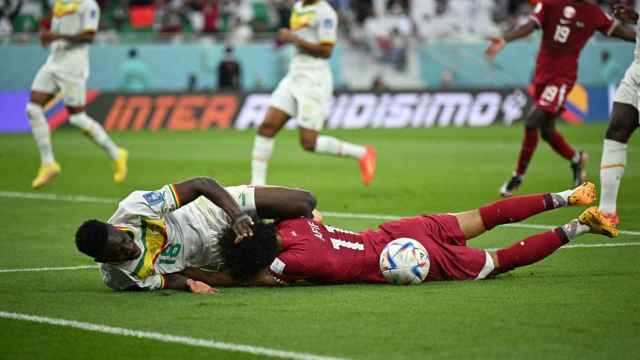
(579, 303)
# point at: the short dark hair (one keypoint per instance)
(251, 255)
(133, 52)
(91, 238)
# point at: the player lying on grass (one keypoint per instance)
(289, 251)
(154, 235)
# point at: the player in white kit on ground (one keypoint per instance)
(624, 121)
(66, 70)
(305, 93)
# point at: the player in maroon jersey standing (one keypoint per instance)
(304, 249)
(566, 27)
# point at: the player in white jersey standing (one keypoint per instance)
(73, 28)
(624, 121)
(155, 235)
(305, 93)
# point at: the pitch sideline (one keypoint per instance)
(100, 200)
(167, 338)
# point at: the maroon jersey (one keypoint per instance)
(566, 27)
(323, 254)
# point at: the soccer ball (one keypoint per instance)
(404, 261)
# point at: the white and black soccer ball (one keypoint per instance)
(404, 261)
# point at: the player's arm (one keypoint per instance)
(85, 37)
(262, 278)
(180, 282)
(274, 202)
(624, 33)
(321, 50)
(189, 190)
(496, 44)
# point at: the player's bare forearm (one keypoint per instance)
(82, 38)
(521, 31)
(283, 203)
(176, 282)
(318, 50)
(179, 281)
(191, 189)
(624, 33)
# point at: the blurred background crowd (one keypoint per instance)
(388, 23)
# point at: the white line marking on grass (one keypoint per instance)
(91, 199)
(57, 268)
(184, 340)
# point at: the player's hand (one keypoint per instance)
(46, 38)
(625, 14)
(495, 46)
(242, 226)
(286, 36)
(317, 217)
(198, 287)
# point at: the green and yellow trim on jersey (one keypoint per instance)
(65, 7)
(299, 20)
(154, 239)
(174, 194)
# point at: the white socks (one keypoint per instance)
(40, 131)
(332, 146)
(614, 159)
(561, 199)
(260, 156)
(96, 131)
(574, 228)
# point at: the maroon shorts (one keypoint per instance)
(551, 95)
(442, 237)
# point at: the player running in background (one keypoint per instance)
(305, 93)
(624, 121)
(154, 235)
(289, 251)
(566, 27)
(73, 28)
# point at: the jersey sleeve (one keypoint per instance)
(119, 279)
(538, 13)
(327, 27)
(287, 267)
(244, 195)
(604, 22)
(91, 17)
(152, 204)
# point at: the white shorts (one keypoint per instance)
(306, 96)
(73, 87)
(627, 92)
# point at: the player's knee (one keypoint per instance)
(35, 113)
(619, 131)
(546, 134)
(267, 129)
(79, 120)
(308, 143)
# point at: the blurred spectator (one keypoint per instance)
(134, 73)
(192, 82)
(447, 79)
(210, 14)
(240, 32)
(378, 84)
(229, 71)
(612, 72)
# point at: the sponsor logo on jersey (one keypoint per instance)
(569, 12)
(328, 23)
(153, 198)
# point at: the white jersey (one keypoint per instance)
(637, 51)
(171, 237)
(316, 23)
(71, 17)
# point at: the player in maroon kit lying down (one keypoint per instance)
(289, 251)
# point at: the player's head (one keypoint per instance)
(105, 243)
(252, 254)
(133, 53)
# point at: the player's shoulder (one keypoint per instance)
(326, 8)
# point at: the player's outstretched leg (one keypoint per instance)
(518, 208)
(538, 247)
(96, 132)
(624, 121)
(322, 144)
(263, 144)
(49, 168)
